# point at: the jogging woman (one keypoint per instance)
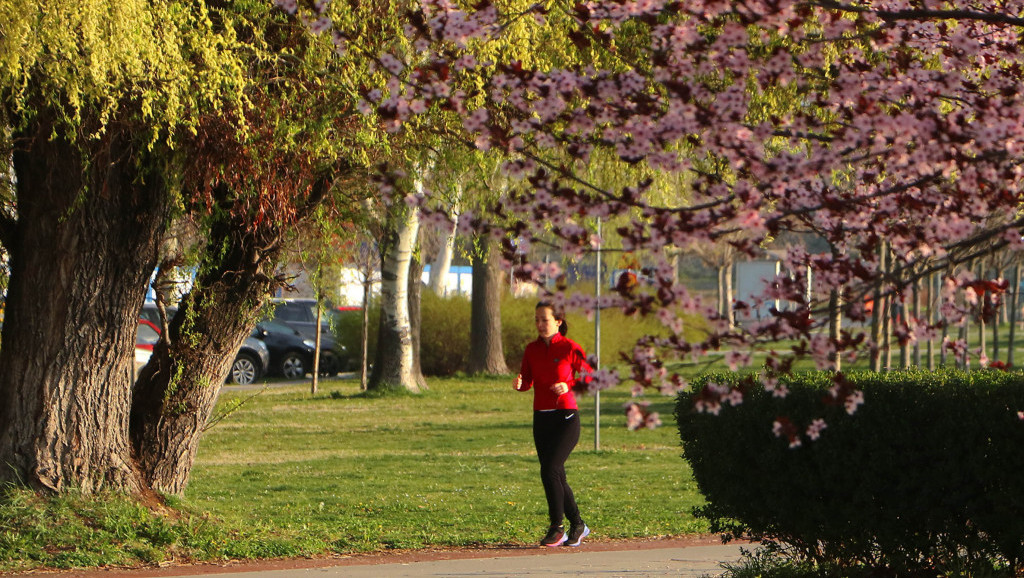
(550, 365)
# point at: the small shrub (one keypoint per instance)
(444, 333)
(347, 327)
(923, 478)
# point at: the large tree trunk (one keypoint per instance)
(82, 251)
(392, 368)
(177, 390)
(486, 354)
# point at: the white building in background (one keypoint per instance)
(350, 286)
(459, 280)
(752, 277)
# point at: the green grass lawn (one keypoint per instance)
(292, 474)
(454, 466)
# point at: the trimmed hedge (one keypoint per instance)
(927, 475)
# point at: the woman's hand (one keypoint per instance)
(517, 383)
(560, 388)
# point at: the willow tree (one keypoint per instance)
(120, 116)
(92, 92)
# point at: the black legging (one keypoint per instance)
(555, 433)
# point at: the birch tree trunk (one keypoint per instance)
(443, 261)
(835, 325)
(393, 366)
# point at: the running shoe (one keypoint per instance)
(554, 537)
(577, 532)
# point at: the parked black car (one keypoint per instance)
(300, 315)
(291, 356)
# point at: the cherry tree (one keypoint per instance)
(891, 129)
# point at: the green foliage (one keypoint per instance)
(924, 477)
(444, 334)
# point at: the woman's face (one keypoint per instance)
(547, 325)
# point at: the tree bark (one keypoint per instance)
(89, 226)
(1011, 344)
(877, 312)
(835, 326)
(392, 368)
(486, 353)
(177, 390)
(415, 317)
(364, 337)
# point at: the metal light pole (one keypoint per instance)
(597, 341)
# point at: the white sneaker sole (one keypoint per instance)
(586, 532)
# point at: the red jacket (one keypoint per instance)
(545, 365)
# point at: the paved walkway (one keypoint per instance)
(652, 560)
(691, 562)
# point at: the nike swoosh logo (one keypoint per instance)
(569, 416)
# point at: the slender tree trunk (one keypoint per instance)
(945, 327)
(392, 368)
(1014, 312)
(917, 320)
(835, 325)
(982, 346)
(729, 313)
(314, 383)
(721, 291)
(907, 324)
(998, 319)
(415, 317)
(877, 314)
(81, 255)
(888, 311)
(887, 319)
(486, 354)
(995, 336)
(365, 336)
(932, 305)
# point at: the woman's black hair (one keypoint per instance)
(558, 314)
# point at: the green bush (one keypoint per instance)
(925, 477)
(347, 327)
(444, 333)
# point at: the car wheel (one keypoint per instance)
(293, 366)
(328, 363)
(245, 370)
